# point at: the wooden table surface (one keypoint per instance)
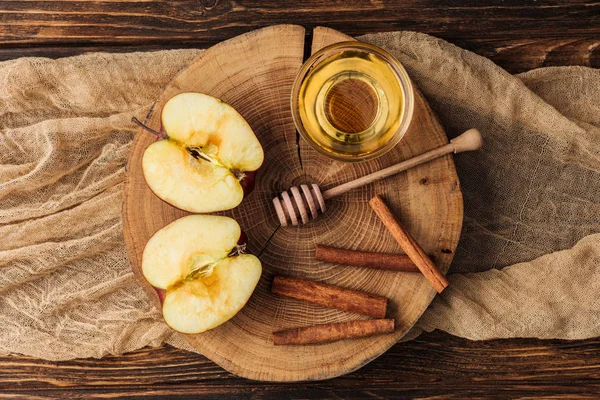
(519, 35)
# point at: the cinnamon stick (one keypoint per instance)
(330, 296)
(332, 332)
(409, 245)
(366, 259)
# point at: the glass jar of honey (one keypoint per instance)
(352, 101)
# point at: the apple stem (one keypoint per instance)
(240, 175)
(160, 135)
(239, 249)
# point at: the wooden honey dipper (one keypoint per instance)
(304, 203)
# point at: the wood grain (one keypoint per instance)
(254, 73)
(514, 55)
(199, 21)
(518, 35)
(433, 365)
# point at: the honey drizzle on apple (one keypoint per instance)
(205, 152)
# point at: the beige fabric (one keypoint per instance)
(553, 296)
(66, 288)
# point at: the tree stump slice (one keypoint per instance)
(254, 73)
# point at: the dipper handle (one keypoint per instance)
(467, 141)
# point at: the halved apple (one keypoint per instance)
(208, 158)
(198, 265)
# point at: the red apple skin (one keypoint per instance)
(243, 239)
(163, 133)
(162, 130)
(248, 182)
(162, 292)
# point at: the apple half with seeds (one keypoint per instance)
(207, 158)
(198, 266)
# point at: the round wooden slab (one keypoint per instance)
(254, 73)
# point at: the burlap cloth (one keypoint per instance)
(528, 262)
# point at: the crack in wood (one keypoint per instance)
(307, 53)
(268, 241)
(298, 149)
